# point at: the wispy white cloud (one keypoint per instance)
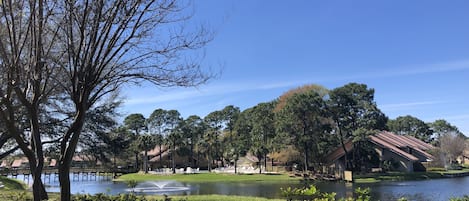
(159, 96)
(407, 70)
(408, 105)
(431, 68)
(458, 117)
(211, 90)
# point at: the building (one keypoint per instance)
(407, 153)
(20, 163)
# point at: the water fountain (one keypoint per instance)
(158, 187)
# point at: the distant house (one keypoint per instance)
(20, 163)
(52, 163)
(84, 161)
(4, 164)
(408, 153)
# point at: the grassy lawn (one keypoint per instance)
(215, 198)
(27, 195)
(16, 190)
(210, 177)
(12, 189)
(403, 176)
(12, 184)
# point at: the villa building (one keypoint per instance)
(407, 153)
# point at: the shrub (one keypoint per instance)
(313, 194)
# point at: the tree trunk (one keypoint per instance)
(265, 162)
(136, 162)
(39, 191)
(173, 161)
(161, 158)
(236, 165)
(347, 164)
(259, 163)
(64, 179)
(209, 160)
(36, 161)
(272, 159)
(67, 150)
(191, 160)
(306, 161)
(145, 161)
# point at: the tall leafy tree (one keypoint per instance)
(409, 125)
(193, 130)
(241, 137)
(156, 124)
(230, 115)
(263, 131)
(118, 140)
(352, 107)
(173, 123)
(441, 127)
(146, 142)
(72, 54)
(302, 116)
(212, 136)
(136, 123)
(98, 130)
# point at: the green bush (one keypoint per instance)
(313, 194)
(310, 193)
(120, 197)
(465, 198)
(436, 169)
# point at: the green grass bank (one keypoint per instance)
(210, 177)
(404, 176)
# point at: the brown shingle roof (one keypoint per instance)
(156, 151)
(17, 163)
(4, 164)
(157, 157)
(53, 163)
(394, 143)
(339, 152)
(382, 143)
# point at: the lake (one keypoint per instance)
(436, 189)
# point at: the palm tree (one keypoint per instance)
(147, 142)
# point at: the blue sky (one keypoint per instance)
(415, 54)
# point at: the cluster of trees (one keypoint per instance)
(301, 126)
(62, 64)
(59, 60)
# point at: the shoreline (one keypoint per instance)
(414, 176)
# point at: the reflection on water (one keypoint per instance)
(160, 187)
(437, 189)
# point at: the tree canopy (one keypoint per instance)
(63, 58)
(409, 125)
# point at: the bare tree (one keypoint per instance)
(62, 58)
(452, 145)
(26, 78)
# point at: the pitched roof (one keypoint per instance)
(394, 143)
(4, 164)
(157, 157)
(53, 163)
(156, 151)
(18, 162)
(384, 144)
(339, 152)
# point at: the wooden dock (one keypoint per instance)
(76, 174)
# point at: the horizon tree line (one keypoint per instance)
(310, 119)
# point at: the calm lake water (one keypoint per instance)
(437, 189)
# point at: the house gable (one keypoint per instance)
(405, 150)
